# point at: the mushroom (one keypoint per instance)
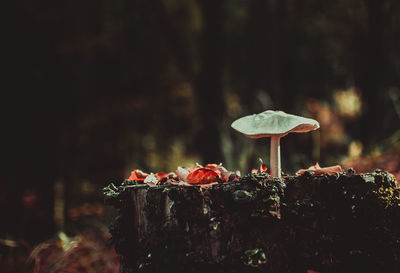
(274, 124)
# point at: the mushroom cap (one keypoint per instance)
(271, 123)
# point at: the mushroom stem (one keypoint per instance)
(275, 156)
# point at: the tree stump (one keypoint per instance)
(331, 223)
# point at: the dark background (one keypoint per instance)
(95, 89)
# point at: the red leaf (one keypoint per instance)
(161, 176)
(203, 176)
(138, 175)
(220, 170)
(213, 167)
(262, 168)
(196, 167)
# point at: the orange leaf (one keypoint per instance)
(318, 170)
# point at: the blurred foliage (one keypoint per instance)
(98, 88)
(87, 252)
(385, 156)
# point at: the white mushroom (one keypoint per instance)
(274, 124)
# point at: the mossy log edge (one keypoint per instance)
(331, 223)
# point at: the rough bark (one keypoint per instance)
(332, 223)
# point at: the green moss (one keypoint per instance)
(243, 196)
(330, 223)
(254, 257)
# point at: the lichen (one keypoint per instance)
(389, 197)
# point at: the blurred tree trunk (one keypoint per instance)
(259, 51)
(270, 55)
(30, 132)
(177, 41)
(274, 71)
(369, 74)
(209, 93)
